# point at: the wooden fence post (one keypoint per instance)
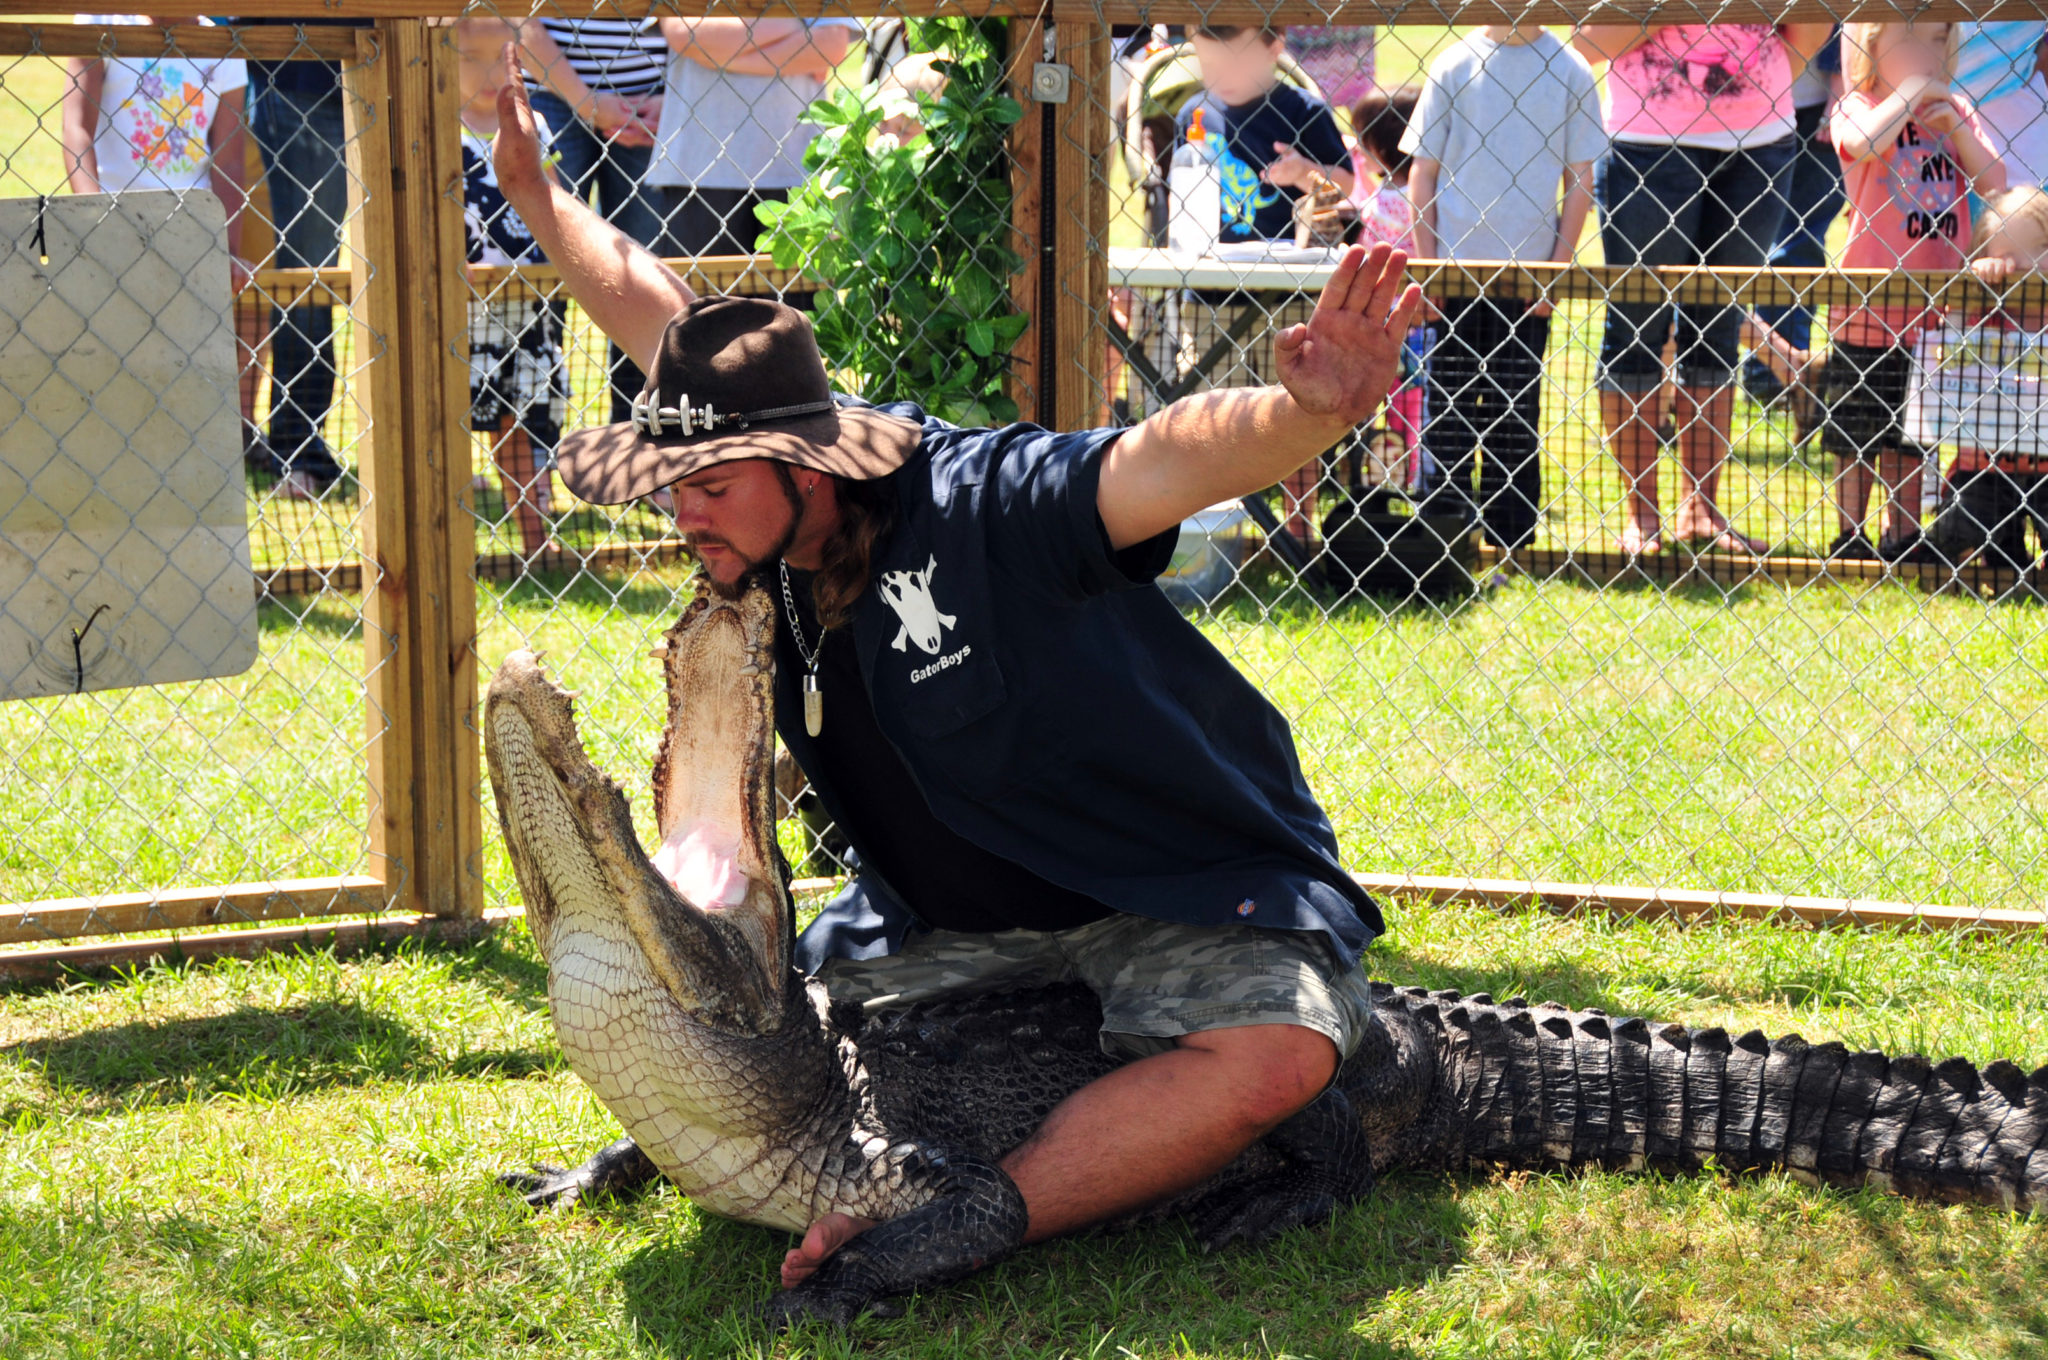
(373, 312)
(433, 334)
(1078, 221)
(1026, 384)
(409, 302)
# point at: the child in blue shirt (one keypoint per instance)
(1275, 138)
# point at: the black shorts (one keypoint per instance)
(1863, 400)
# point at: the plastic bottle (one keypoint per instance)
(1194, 193)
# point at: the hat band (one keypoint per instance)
(686, 420)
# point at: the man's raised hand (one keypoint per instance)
(1342, 362)
(516, 151)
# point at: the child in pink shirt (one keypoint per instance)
(1379, 124)
(1912, 151)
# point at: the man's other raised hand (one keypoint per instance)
(1341, 364)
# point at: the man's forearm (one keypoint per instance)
(1205, 449)
(622, 286)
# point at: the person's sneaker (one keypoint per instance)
(1851, 546)
(298, 486)
(1905, 548)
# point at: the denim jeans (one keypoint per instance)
(1485, 406)
(1813, 200)
(1680, 205)
(301, 138)
(612, 179)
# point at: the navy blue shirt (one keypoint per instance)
(1252, 209)
(1054, 710)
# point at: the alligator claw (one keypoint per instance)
(545, 1186)
(832, 1307)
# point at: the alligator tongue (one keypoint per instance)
(701, 861)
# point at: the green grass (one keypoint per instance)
(293, 1157)
(1874, 743)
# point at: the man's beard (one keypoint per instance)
(752, 567)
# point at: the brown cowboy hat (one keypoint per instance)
(736, 377)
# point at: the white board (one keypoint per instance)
(1981, 386)
(124, 524)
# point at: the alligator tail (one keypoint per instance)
(1543, 1086)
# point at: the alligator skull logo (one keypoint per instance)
(909, 593)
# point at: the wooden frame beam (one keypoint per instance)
(1025, 383)
(1681, 904)
(376, 305)
(1689, 283)
(1277, 12)
(267, 42)
(285, 899)
(345, 937)
(1077, 225)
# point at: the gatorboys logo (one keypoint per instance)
(909, 593)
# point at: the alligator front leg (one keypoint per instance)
(1328, 1166)
(615, 1169)
(974, 1218)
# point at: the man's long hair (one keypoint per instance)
(867, 512)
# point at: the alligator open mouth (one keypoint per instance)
(709, 909)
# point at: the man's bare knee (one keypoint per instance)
(1281, 1067)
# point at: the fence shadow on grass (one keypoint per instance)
(1149, 1289)
(252, 1052)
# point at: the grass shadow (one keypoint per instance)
(252, 1052)
(1150, 1289)
(506, 961)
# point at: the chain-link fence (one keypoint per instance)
(1694, 561)
(276, 791)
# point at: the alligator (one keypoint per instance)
(674, 998)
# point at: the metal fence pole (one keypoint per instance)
(1079, 227)
(1027, 217)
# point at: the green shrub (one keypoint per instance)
(912, 242)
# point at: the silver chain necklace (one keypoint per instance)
(814, 698)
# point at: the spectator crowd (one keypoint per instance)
(1735, 145)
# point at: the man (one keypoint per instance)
(1046, 772)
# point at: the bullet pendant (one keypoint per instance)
(814, 705)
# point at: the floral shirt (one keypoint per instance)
(156, 115)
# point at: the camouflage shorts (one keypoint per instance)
(1157, 980)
